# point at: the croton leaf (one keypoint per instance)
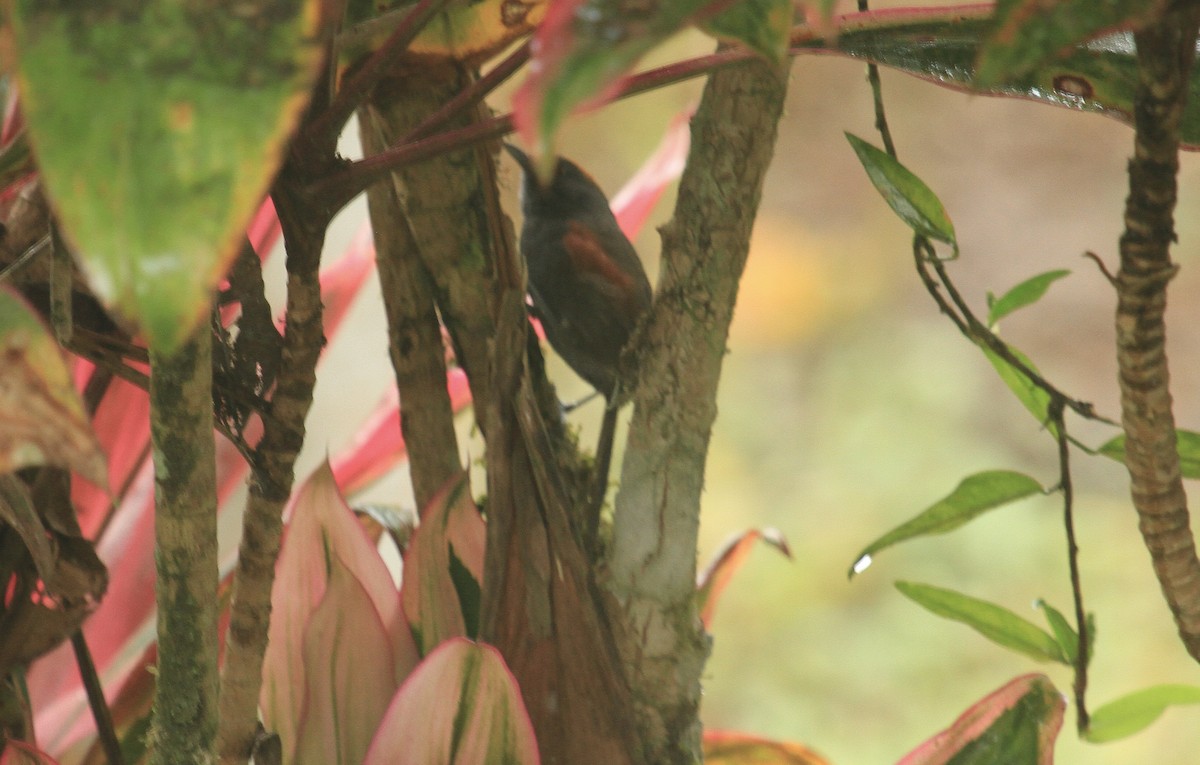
(1018, 722)
(1031, 33)
(434, 585)
(461, 704)
(943, 44)
(130, 118)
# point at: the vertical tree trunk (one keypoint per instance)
(1165, 52)
(653, 563)
(185, 495)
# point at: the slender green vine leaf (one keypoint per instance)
(994, 622)
(974, 495)
(1036, 400)
(1031, 33)
(1186, 442)
(1064, 633)
(1134, 712)
(905, 193)
(157, 133)
(1017, 723)
(942, 45)
(1024, 294)
(42, 419)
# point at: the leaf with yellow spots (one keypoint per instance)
(157, 132)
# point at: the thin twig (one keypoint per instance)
(1082, 657)
(95, 695)
(328, 125)
(470, 96)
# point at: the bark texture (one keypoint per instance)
(653, 561)
(185, 529)
(1165, 53)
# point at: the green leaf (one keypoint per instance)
(905, 193)
(943, 44)
(994, 622)
(1026, 293)
(1130, 714)
(1186, 442)
(1017, 723)
(974, 495)
(582, 49)
(1036, 400)
(1029, 34)
(764, 26)
(157, 134)
(1064, 633)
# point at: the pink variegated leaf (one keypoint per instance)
(723, 747)
(321, 528)
(119, 630)
(342, 280)
(350, 675)
(1018, 722)
(375, 448)
(633, 203)
(448, 543)
(22, 753)
(379, 444)
(460, 705)
(122, 423)
(713, 580)
(264, 230)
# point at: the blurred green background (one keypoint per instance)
(848, 404)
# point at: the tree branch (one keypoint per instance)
(303, 224)
(185, 497)
(1165, 51)
(657, 506)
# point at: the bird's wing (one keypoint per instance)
(594, 264)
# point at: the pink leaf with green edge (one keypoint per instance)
(450, 539)
(633, 203)
(349, 672)
(379, 443)
(461, 705)
(42, 420)
(1030, 33)
(322, 527)
(152, 181)
(732, 748)
(1018, 722)
(713, 580)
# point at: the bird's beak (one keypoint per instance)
(543, 170)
